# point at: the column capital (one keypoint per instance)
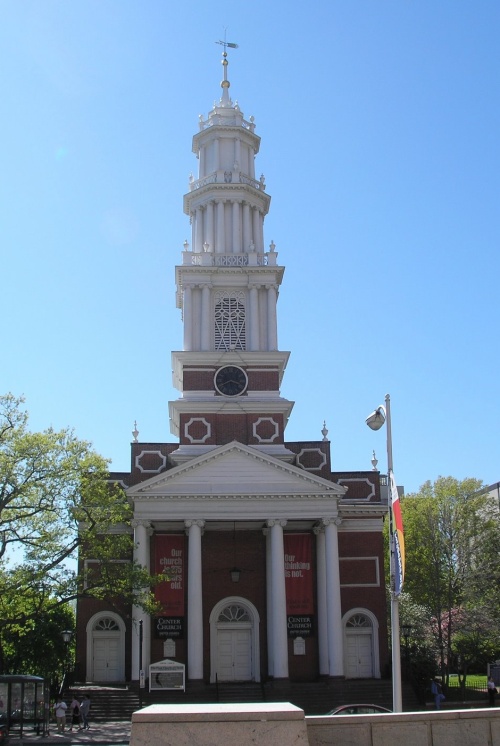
(137, 522)
(191, 522)
(276, 522)
(331, 521)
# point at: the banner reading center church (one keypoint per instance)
(169, 560)
(299, 584)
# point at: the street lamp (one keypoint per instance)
(375, 421)
(406, 630)
(66, 635)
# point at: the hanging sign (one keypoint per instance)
(169, 560)
(299, 584)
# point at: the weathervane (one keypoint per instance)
(226, 44)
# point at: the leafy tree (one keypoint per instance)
(449, 525)
(56, 501)
(37, 647)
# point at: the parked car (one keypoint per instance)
(358, 710)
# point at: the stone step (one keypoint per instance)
(118, 703)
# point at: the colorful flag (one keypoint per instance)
(398, 539)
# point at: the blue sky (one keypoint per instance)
(379, 122)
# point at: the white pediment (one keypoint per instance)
(234, 470)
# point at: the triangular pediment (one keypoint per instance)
(235, 469)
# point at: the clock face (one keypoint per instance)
(230, 380)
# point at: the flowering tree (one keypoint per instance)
(452, 561)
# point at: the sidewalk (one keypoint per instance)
(117, 733)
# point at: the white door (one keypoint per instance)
(106, 663)
(359, 655)
(234, 650)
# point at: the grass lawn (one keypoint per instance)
(473, 680)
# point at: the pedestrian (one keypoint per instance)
(492, 691)
(437, 693)
(84, 711)
(74, 708)
(60, 711)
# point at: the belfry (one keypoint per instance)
(275, 563)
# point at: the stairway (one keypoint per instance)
(107, 703)
(241, 692)
(117, 703)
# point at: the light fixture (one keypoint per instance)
(67, 634)
(235, 574)
(376, 419)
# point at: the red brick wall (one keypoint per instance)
(203, 380)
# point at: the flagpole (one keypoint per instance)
(397, 704)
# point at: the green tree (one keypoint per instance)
(448, 524)
(56, 502)
(37, 647)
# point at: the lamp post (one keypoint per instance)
(406, 632)
(66, 635)
(375, 421)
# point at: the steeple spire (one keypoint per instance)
(225, 84)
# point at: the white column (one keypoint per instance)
(194, 600)
(272, 330)
(220, 242)
(254, 317)
(256, 230)
(142, 533)
(209, 227)
(216, 154)
(205, 317)
(279, 640)
(322, 606)
(198, 231)
(334, 610)
(202, 163)
(269, 601)
(236, 247)
(247, 236)
(187, 317)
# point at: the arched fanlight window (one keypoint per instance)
(106, 624)
(359, 620)
(234, 613)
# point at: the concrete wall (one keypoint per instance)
(283, 724)
(444, 728)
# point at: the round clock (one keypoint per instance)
(230, 380)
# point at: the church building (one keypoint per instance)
(275, 563)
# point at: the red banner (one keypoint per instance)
(169, 560)
(298, 574)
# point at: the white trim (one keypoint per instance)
(346, 480)
(161, 456)
(311, 450)
(375, 630)
(362, 585)
(90, 634)
(255, 621)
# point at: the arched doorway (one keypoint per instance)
(361, 651)
(234, 641)
(106, 647)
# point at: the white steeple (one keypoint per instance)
(227, 288)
